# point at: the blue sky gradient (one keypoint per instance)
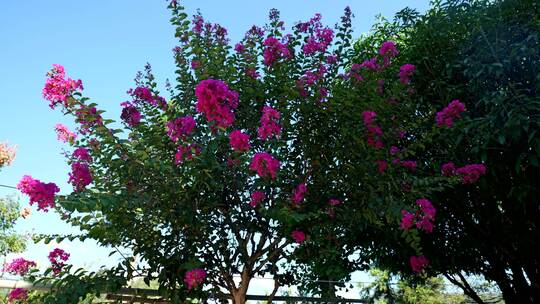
(105, 43)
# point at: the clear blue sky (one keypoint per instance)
(105, 43)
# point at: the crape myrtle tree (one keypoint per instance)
(286, 156)
(217, 183)
(484, 53)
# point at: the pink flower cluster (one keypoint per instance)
(418, 263)
(274, 50)
(130, 114)
(239, 141)
(7, 154)
(17, 294)
(194, 278)
(298, 236)
(81, 154)
(319, 42)
(256, 198)
(58, 88)
(64, 134)
(19, 266)
(374, 132)
(334, 202)
(471, 173)
(180, 127)
(299, 193)
(424, 217)
(388, 49)
(40, 193)
(269, 123)
(186, 152)
(265, 165)
(448, 169)
(80, 176)
(142, 94)
(452, 111)
(216, 101)
(405, 73)
(58, 257)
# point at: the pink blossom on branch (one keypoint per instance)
(449, 113)
(81, 154)
(298, 193)
(265, 165)
(418, 263)
(374, 132)
(216, 101)
(256, 198)
(270, 126)
(58, 257)
(58, 88)
(239, 141)
(405, 73)
(388, 49)
(407, 220)
(64, 134)
(130, 114)
(40, 193)
(80, 176)
(274, 50)
(448, 169)
(298, 236)
(471, 173)
(17, 294)
(185, 152)
(334, 202)
(180, 127)
(194, 278)
(19, 266)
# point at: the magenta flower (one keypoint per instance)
(256, 198)
(405, 73)
(81, 154)
(80, 176)
(334, 202)
(409, 164)
(270, 126)
(373, 131)
(181, 127)
(265, 165)
(239, 47)
(19, 266)
(448, 169)
(449, 113)
(471, 173)
(239, 141)
(58, 88)
(195, 64)
(274, 50)
(298, 193)
(17, 294)
(194, 278)
(130, 115)
(216, 101)
(185, 152)
(58, 257)
(298, 236)
(64, 134)
(40, 193)
(418, 263)
(407, 220)
(388, 49)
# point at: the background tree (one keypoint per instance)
(484, 53)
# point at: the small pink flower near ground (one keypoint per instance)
(17, 294)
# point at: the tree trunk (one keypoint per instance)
(239, 294)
